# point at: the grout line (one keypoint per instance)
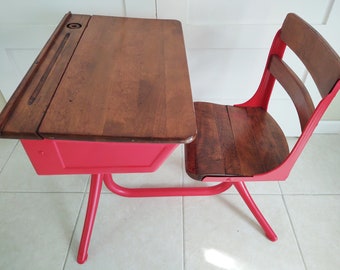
(124, 8)
(9, 156)
(304, 76)
(312, 195)
(293, 229)
(328, 12)
(12, 61)
(40, 192)
(75, 224)
(183, 236)
(182, 202)
(156, 9)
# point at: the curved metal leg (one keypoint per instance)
(92, 205)
(164, 191)
(242, 189)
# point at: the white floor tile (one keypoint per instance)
(35, 229)
(316, 221)
(19, 175)
(133, 234)
(221, 233)
(317, 170)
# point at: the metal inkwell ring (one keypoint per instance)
(73, 25)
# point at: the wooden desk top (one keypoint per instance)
(102, 78)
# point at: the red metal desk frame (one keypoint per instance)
(60, 157)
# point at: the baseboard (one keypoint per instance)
(328, 127)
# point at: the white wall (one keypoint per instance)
(227, 40)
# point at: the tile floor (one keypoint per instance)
(41, 219)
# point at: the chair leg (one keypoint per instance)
(92, 205)
(242, 189)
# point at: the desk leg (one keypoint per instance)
(92, 205)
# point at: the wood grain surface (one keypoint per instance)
(106, 78)
(234, 141)
(127, 81)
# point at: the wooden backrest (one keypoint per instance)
(320, 60)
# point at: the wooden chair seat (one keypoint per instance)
(234, 141)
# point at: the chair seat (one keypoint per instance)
(234, 141)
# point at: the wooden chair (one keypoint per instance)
(243, 142)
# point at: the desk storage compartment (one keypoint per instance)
(82, 157)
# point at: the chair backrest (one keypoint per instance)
(320, 59)
(321, 62)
